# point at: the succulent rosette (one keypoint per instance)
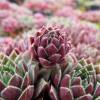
(4, 14)
(83, 34)
(45, 7)
(70, 12)
(18, 78)
(15, 19)
(80, 83)
(22, 45)
(6, 45)
(92, 16)
(50, 47)
(10, 24)
(14, 78)
(21, 78)
(26, 22)
(89, 52)
(39, 20)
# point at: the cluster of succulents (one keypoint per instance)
(16, 82)
(49, 50)
(48, 69)
(14, 19)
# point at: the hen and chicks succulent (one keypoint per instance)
(48, 70)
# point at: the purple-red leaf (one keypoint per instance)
(66, 81)
(76, 81)
(37, 41)
(55, 41)
(53, 93)
(86, 97)
(90, 88)
(11, 93)
(27, 93)
(54, 58)
(56, 76)
(16, 80)
(45, 63)
(31, 40)
(65, 94)
(51, 49)
(62, 49)
(44, 42)
(78, 91)
(26, 81)
(41, 52)
(97, 91)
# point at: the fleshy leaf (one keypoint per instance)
(53, 93)
(16, 80)
(85, 97)
(11, 93)
(44, 42)
(76, 81)
(65, 94)
(66, 81)
(97, 91)
(27, 93)
(56, 76)
(62, 49)
(51, 49)
(54, 58)
(26, 81)
(41, 52)
(45, 63)
(41, 86)
(89, 88)
(77, 91)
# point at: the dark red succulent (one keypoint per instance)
(50, 47)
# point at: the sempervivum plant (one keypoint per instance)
(15, 19)
(92, 16)
(80, 83)
(42, 6)
(86, 51)
(50, 47)
(6, 45)
(16, 80)
(82, 34)
(40, 20)
(70, 12)
(10, 25)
